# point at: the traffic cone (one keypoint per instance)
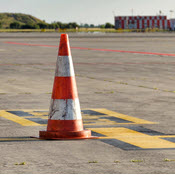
(65, 120)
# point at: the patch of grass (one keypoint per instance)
(165, 90)
(99, 92)
(94, 161)
(111, 92)
(48, 92)
(116, 161)
(169, 160)
(22, 163)
(3, 93)
(91, 77)
(122, 83)
(136, 161)
(11, 80)
(142, 86)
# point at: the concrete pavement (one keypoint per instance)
(127, 99)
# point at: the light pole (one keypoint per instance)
(171, 13)
(132, 11)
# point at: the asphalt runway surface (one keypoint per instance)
(126, 87)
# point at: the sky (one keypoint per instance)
(87, 11)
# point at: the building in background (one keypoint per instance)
(142, 22)
(172, 24)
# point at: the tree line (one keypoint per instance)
(55, 25)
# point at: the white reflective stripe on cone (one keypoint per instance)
(64, 67)
(68, 109)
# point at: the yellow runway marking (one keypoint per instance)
(96, 120)
(15, 118)
(133, 137)
(166, 136)
(122, 116)
(103, 118)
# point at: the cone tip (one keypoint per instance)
(64, 35)
(64, 48)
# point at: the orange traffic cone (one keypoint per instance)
(65, 121)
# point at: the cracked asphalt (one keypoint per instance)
(142, 86)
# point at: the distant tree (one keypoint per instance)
(57, 26)
(71, 25)
(30, 26)
(68, 26)
(63, 26)
(108, 25)
(74, 25)
(81, 25)
(86, 25)
(36, 26)
(0, 25)
(42, 25)
(59, 23)
(53, 26)
(102, 26)
(92, 25)
(15, 25)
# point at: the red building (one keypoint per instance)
(141, 22)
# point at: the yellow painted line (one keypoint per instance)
(122, 116)
(15, 118)
(164, 136)
(97, 122)
(133, 137)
